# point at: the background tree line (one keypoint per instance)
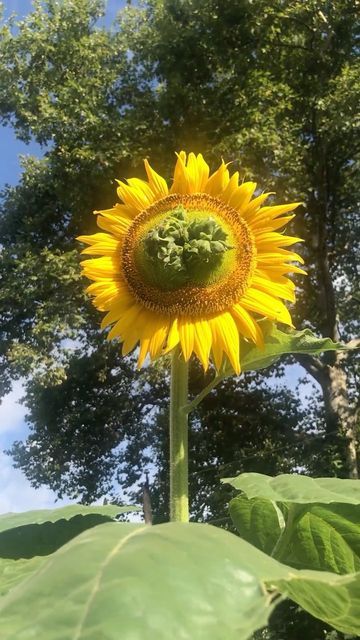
(271, 86)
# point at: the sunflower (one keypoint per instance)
(195, 265)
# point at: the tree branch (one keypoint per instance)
(209, 387)
(313, 366)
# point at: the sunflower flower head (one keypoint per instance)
(196, 265)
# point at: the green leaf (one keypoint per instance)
(12, 572)
(321, 537)
(278, 343)
(134, 581)
(24, 548)
(172, 580)
(325, 537)
(296, 488)
(258, 521)
(331, 598)
(20, 541)
(12, 520)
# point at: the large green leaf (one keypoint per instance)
(308, 535)
(43, 539)
(314, 536)
(331, 598)
(133, 581)
(22, 543)
(13, 572)
(258, 521)
(12, 520)
(296, 488)
(278, 343)
(174, 580)
(321, 537)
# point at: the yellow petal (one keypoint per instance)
(152, 331)
(117, 310)
(157, 182)
(134, 195)
(105, 293)
(226, 336)
(269, 238)
(118, 219)
(119, 212)
(181, 178)
(267, 224)
(113, 227)
(126, 321)
(202, 341)
(247, 325)
(106, 284)
(249, 212)
(143, 187)
(144, 349)
(158, 337)
(266, 305)
(275, 257)
(130, 341)
(173, 337)
(285, 291)
(104, 301)
(231, 187)
(277, 210)
(275, 275)
(216, 345)
(104, 267)
(218, 181)
(276, 271)
(186, 334)
(197, 172)
(242, 196)
(101, 244)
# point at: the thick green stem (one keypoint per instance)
(179, 480)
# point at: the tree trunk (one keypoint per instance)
(340, 416)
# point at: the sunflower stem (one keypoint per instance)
(179, 475)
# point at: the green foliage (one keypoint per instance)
(309, 536)
(258, 521)
(25, 538)
(315, 524)
(297, 488)
(323, 538)
(13, 520)
(149, 581)
(13, 572)
(114, 571)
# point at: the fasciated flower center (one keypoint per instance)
(188, 254)
(182, 250)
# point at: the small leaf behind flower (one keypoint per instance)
(279, 343)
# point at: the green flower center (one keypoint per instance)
(183, 248)
(188, 255)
